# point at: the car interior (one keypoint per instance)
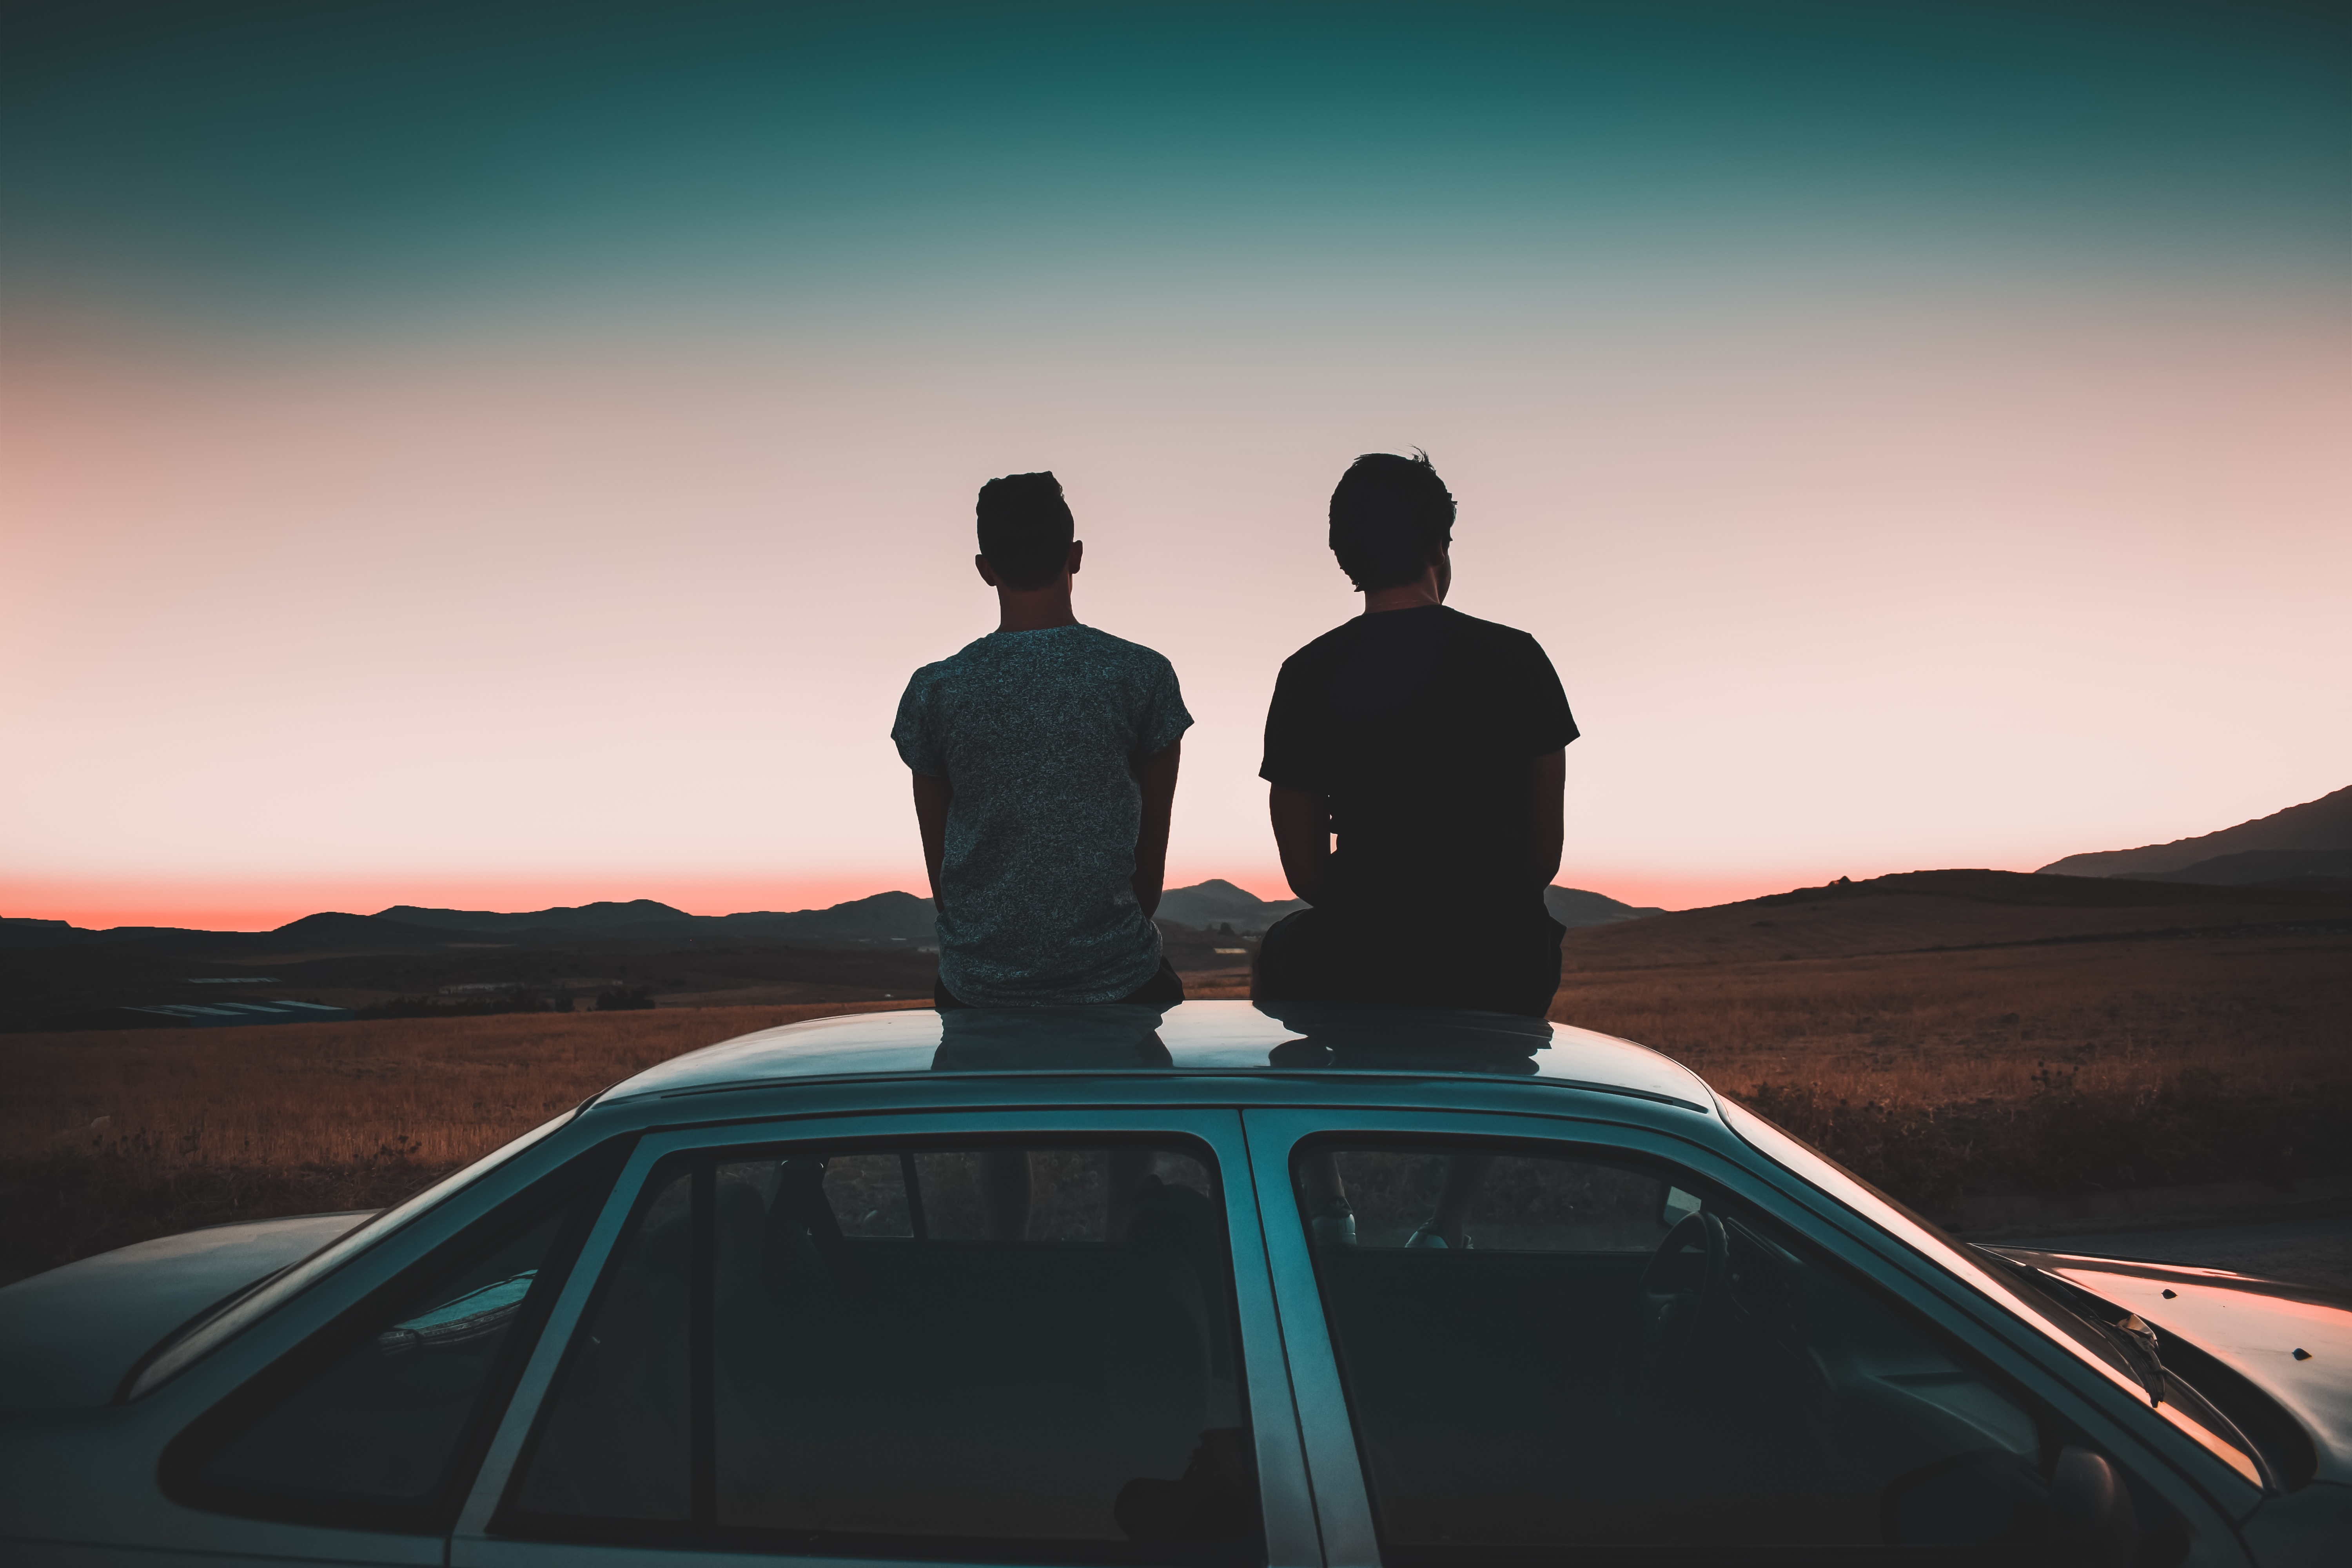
(924, 1346)
(1601, 1355)
(371, 1417)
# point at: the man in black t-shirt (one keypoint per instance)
(1433, 745)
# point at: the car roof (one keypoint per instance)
(1189, 1039)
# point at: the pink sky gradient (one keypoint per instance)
(1976, 572)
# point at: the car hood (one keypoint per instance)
(66, 1337)
(2294, 1342)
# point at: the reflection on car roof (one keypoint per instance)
(1190, 1038)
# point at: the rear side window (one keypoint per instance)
(977, 1352)
(373, 1423)
(1549, 1354)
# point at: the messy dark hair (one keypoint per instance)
(1389, 516)
(1025, 527)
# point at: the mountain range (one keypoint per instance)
(893, 919)
(2291, 871)
(881, 917)
(2313, 841)
(1949, 911)
(881, 946)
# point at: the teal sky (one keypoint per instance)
(509, 454)
(364, 157)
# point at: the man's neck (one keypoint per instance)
(1418, 595)
(1034, 609)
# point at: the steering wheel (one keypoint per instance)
(1679, 1320)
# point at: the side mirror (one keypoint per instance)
(1992, 1496)
(2091, 1511)
(1676, 1206)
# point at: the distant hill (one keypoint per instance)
(883, 917)
(19, 934)
(604, 915)
(320, 934)
(2259, 868)
(1216, 902)
(1923, 909)
(2323, 824)
(326, 932)
(1574, 908)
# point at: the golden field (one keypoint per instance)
(1945, 1028)
(111, 1136)
(2037, 1068)
(2052, 1068)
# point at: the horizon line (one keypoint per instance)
(280, 905)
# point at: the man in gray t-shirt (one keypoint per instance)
(1044, 758)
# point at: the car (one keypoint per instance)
(1219, 1284)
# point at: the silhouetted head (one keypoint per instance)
(1025, 529)
(1390, 517)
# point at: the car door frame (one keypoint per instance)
(107, 1461)
(1342, 1500)
(1286, 1497)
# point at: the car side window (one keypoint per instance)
(948, 1353)
(373, 1424)
(1544, 1351)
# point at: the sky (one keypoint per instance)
(504, 455)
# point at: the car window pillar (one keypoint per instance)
(1342, 1511)
(562, 1322)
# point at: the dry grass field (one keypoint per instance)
(2044, 1068)
(2026, 1067)
(110, 1137)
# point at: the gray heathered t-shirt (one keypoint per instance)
(1039, 734)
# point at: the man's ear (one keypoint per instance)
(1078, 549)
(987, 575)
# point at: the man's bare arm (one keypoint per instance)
(1156, 776)
(931, 798)
(1546, 794)
(1302, 831)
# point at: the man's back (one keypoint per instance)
(1418, 726)
(1039, 732)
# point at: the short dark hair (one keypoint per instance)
(1389, 516)
(1025, 527)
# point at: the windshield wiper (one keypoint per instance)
(2134, 1342)
(2132, 1332)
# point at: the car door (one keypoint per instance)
(1514, 1338)
(337, 1413)
(950, 1336)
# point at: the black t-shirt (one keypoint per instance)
(1418, 726)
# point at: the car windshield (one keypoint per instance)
(232, 1316)
(2008, 1286)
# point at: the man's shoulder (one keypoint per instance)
(1441, 622)
(1484, 634)
(1079, 649)
(1333, 644)
(941, 670)
(1101, 645)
